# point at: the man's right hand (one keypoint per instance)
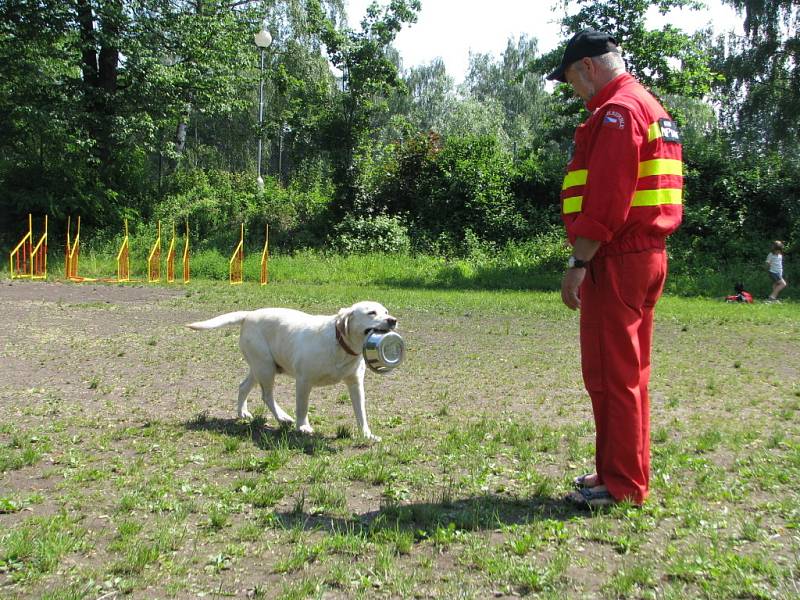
(570, 287)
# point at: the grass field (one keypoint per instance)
(124, 473)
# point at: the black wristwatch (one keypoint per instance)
(577, 263)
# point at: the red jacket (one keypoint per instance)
(624, 183)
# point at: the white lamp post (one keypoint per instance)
(263, 40)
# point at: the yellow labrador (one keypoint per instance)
(314, 349)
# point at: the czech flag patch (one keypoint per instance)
(614, 119)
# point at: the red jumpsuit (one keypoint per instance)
(623, 188)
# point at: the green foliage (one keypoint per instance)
(147, 110)
(667, 59)
(448, 188)
(218, 202)
(761, 94)
(363, 235)
(512, 87)
(369, 77)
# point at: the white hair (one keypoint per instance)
(611, 61)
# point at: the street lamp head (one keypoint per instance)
(263, 38)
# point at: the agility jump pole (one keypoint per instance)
(154, 259)
(123, 259)
(39, 255)
(20, 257)
(72, 253)
(265, 258)
(186, 255)
(28, 261)
(236, 263)
(171, 257)
(172, 252)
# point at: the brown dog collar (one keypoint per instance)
(340, 339)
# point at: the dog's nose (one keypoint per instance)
(392, 322)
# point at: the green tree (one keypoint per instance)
(761, 95)
(429, 96)
(98, 96)
(369, 77)
(516, 84)
(666, 59)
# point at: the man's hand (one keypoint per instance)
(570, 287)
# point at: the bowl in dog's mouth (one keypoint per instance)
(383, 350)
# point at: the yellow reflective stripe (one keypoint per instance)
(657, 197)
(574, 178)
(654, 132)
(572, 204)
(660, 166)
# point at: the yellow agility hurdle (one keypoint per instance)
(265, 258)
(29, 261)
(72, 253)
(154, 259)
(171, 258)
(172, 254)
(186, 255)
(237, 262)
(123, 259)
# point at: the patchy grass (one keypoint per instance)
(123, 469)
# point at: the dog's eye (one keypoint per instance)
(372, 313)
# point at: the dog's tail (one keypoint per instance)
(221, 321)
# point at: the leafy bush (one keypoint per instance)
(216, 203)
(448, 189)
(363, 235)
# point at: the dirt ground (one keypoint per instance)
(90, 363)
(127, 418)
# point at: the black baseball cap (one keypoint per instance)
(587, 42)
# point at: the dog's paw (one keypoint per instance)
(371, 436)
(245, 414)
(307, 429)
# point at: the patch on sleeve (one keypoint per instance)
(614, 119)
(669, 131)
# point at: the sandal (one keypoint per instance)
(581, 482)
(591, 498)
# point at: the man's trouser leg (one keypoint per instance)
(617, 301)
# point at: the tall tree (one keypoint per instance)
(763, 73)
(369, 69)
(665, 58)
(90, 90)
(515, 82)
(430, 95)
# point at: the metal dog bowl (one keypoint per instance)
(384, 351)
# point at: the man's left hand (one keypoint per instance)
(570, 287)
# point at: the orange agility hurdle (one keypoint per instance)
(29, 261)
(237, 261)
(154, 259)
(265, 258)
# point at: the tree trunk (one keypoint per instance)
(100, 70)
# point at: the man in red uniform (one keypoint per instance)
(621, 198)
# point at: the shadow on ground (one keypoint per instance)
(262, 435)
(495, 278)
(427, 519)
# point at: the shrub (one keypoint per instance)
(362, 235)
(216, 203)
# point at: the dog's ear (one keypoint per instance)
(344, 316)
